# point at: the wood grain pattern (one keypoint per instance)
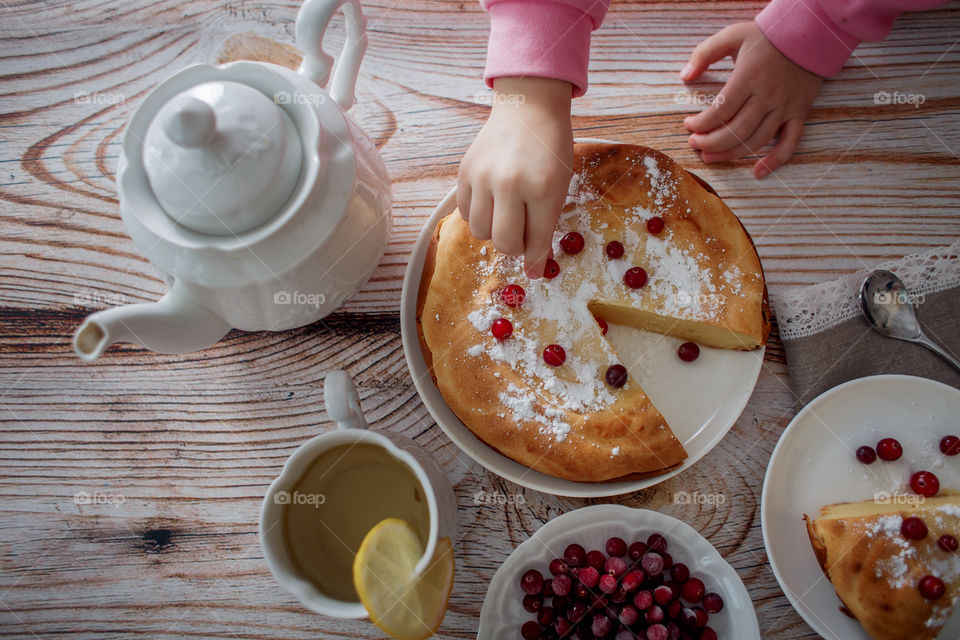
(191, 442)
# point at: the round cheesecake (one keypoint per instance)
(524, 363)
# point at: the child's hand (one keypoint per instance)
(514, 178)
(766, 93)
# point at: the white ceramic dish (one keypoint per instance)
(503, 614)
(701, 400)
(814, 465)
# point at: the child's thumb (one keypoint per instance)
(717, 47)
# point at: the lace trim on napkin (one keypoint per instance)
(807, 311)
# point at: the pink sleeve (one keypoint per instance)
(542, 38)
(820, 35)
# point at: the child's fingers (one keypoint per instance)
(756, 141)
(789, 137)
(481, 211)
(726, 105)
(463, 199)
(717, 47)
(541, 221)
(508, 222)
(735, 132)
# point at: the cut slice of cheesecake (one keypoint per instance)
(876, 570)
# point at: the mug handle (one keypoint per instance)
(312, 22)
(342, 401)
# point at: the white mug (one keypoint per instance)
(343, 406)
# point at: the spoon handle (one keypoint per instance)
(937, 349)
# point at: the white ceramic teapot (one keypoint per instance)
(260, 202)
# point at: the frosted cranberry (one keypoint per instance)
(655, 225)
(654, 614)
(513, 295)
(576, 611)
(657, 632)
(551, 269)
(656, 542)
(713, 603)
(615, 566)
(913, 528)
(572, 243)
(925, 483)
(889, 449)
(603, 325)
(546, 616)
(950, 445)
(530, 630)
(562, 584)
(688, 618)
(652, 564)
(629, 615)
(574, 555)
(614, 250)
(625, 634)
(532, 603)
(589, 577)
(688, 351)
(607, 583)
(707, 633)
(562, 626)
(616, 547)
(866, 455)
(636, 550)
(554, 355)
(931, 587)
(664, 595)
(635, 277)
(601, 625)
(680, 572)
(633, 580)
(501, 328)
(693, 590)
(947, 542)
(643, 600)
(616, 377)
(557, 566)
(531, 582)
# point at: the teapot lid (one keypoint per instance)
(222, 158)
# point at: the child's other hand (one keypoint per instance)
(514, 178)
(766, 93)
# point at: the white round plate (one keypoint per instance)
(503, 613)
(700, 400)
(813, 465)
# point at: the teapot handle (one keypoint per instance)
(312, 22)
(342, 402)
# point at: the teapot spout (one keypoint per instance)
(173, 324)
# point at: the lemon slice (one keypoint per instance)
(405, 606)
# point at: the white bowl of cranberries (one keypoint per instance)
(616, 573)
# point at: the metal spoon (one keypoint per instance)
(886, 304)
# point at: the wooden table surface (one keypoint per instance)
(182, 448)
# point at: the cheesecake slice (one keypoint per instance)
(888, 575)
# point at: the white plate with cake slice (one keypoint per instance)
(814, 465)
(700, 400)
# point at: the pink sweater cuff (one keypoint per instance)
(803, 32)
(539, 38)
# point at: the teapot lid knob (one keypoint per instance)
(191, 123)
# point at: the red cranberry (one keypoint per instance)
(701, 617)
(693, 590)
(574, 555)
(601, 625)
(913, 528)
(680, 572)
(656, 542)
(713, 603)
(603, 326)
(580, 592)
(562, 626)
(635, 277)
(657, 632)
(616, 547)
(654, 614)
(548, 588)
(688, 618)
(532, 582)
(931, 587)
(707, 634)
(947, 542)
(546, 616)
(551, 270)
(501, 328)
(532, 603)
(614, 250)
(925, 483)
(889, 449)
(950, 445)
(655, 225)
(607, 583)
(616, 377)
(667, 560)
(643, 600)
(562, 584)
(688, 351)
(530, 630)
(866, 455)
(615, 566)
(554, 355)
(576, 611)
(596, 559)
(652, 564)
(664, 595)
(674, 609)
(619, 596)
(572, 243)
(633, 580)
(629, 615)
(557, 566)
(636, 550)
(589, 577)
